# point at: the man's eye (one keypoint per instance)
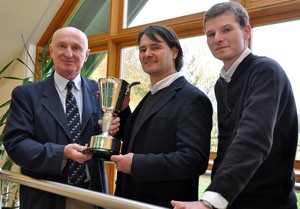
(142, 51)
(77, 49)
(210, 34)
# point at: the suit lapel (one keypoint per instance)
(164, 98)
(51, 102)
(89, 101)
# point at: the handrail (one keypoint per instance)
(92, 197)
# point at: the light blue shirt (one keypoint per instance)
(61, 87)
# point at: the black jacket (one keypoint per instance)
(170, 145)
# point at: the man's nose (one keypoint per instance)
(148, 52)
(68, 52)
(218, 37)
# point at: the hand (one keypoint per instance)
(114, 127)
(74, 152)
(123, 162)
(188, 205)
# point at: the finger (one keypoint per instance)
(116, 120)
(114, 129)
(113, 158)
(100, 122)
(116, 158)
(98, 95)
(173, 202)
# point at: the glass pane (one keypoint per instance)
(139, 12)
(96, 65)
(200, 68)
(132, 71)
(283, 37)
(91, 16)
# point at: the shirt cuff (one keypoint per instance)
(217, 200)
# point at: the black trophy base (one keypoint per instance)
(99, 153)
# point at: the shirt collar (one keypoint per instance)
(164, 82)
(228, 74)
(61, 82)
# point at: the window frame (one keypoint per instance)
(261, 12)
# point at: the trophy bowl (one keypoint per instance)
(112, 95)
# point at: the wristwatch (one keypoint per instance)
(207, 204)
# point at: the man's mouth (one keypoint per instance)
(67, 61)
(220, 48)
(149, 62)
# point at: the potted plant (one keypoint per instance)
(8, 190)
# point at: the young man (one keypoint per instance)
(37, 136)
(257, 119)
(167, 137)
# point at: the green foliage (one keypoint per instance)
(197, 73)
(9, 189)
(46, 66)
(134, 72)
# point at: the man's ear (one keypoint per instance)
(174, 52)
(87, 54)
(247, 30)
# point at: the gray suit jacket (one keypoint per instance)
(37, 131)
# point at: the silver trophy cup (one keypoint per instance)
(112, 95)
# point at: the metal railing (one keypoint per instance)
(91, 197)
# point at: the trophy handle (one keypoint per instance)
(123, 92)
(133, 84)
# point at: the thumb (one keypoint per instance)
(100, 122)
(173, 202)
(115, 158)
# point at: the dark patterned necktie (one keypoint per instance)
(77, 173)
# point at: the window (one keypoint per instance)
(132, 71)
(200, 68)
(139, 12)
(112, 27)
(91, 16)
(96, 65)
